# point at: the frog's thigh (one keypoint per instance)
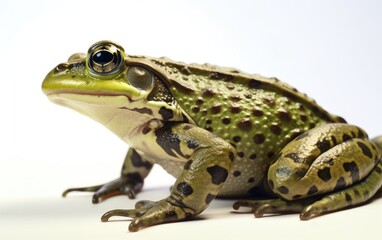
(325, 159)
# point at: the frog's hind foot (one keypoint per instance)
(120, 186)
(273, 206)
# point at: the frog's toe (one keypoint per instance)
(120, 186)
(310, 212)
(148, 213)
(272, 206)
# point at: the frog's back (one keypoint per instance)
(257, 115)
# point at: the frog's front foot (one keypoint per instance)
(123, 185)
(148, 213)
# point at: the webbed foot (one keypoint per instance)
(148, 213)
(120, 186)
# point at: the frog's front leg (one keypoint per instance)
(208, 161)
(323, 170)
(134, 170)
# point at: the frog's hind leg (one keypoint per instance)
(351, 196)
(325, 169)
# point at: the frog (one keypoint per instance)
(221, 132)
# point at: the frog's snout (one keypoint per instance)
(76, 57)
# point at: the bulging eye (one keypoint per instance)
(105, 58)
(140, 78)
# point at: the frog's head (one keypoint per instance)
(113, 89)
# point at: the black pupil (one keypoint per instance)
(103, 57)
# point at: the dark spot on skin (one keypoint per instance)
(166, 113)
(140, 110)
(271, 184)
(348, 198)
(185, 189)
(253, 156)
(275, 129)
(208, 121)
(295, 157)
(240, 154)
(340, 183)
(323, 145)
(312, 125)
(361, 134)
(218, 174)
(146, 130)
(254, 84)
(251, 180)
(217, 76)
(187, 165)
(356, 192)
(330, 161)
(208, 93)
(135, 176)
(312, 190)
(192, 144)
(345, 137)
(353, 134)
(187, 127)
(195, 109)
(168, 141)
(226, 120)
(353, 169)
(270, 155)
(203, 112)
(235, 109)
(283, 190)
(257, 112)
(334, 140)
(300, 172)
(231, 156)
(245, 125)
(215, 109)
(171, 215)
(137, 161)
(303, 117)
(74, 76)
(235, 97)
(259, 138)
(324, 174)
(284, 115)
(236, 139)
(297, 197)
(209, 128)
(236, 173)
(365, 150)
(268, 101)
(199, 101)
(209, 198)
(378, 170)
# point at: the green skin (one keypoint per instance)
(220, 132)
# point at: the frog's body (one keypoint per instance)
(220, 132)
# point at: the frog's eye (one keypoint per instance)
(105, 58)
(140, 78)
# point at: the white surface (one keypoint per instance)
(329, 49)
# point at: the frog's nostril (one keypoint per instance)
(61, 67)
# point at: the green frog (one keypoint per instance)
(220, 132)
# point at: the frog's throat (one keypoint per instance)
(114, 112)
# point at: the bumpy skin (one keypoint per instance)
(220, 132)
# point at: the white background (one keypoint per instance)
(329, 49)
